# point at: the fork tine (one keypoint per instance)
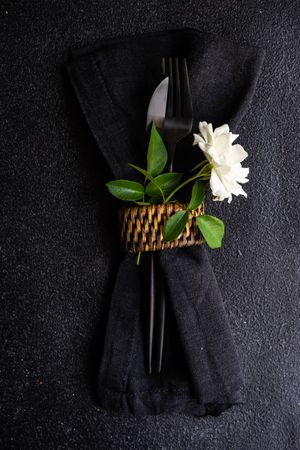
(177, 90)
(169, 109)
(187, 108)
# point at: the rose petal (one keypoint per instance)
(198, 139)
(239, 173)
(242, 177)
(212, 154)
(217, 187)
(210, 134)
(237, 154)
(203, 130)
(221, 130)
(218, 199)
(238, 190)
(223, 170)
(222, 145)
(233, 137)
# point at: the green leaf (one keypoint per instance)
(212, 230)
(153, 200)
(149, 177)
(126, 190)
(167, 182)
(157, 154)
(197, 195)
(142, 171)
(175, 225)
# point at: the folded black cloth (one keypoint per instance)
(114, 81)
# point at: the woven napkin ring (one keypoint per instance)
(141, 227)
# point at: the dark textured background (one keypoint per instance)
(57, 249)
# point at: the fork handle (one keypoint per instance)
(171, 152)
(160, 320)
(160, 306)
(152, 294)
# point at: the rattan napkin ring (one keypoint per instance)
(141, 227)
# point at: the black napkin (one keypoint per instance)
(114, 81)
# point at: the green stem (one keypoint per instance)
(147, 175)
(144, 190)
(199, 165)
(206, 170)
(203, 174)
(180, 186)
(138, 258)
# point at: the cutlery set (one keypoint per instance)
(171, 110)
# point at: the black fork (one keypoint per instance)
(177, 124)
(179, 113)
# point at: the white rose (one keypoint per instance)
(225, 159)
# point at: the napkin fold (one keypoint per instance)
(114, 81)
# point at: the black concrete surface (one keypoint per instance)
(58, 251)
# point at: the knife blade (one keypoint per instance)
(158, 104)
